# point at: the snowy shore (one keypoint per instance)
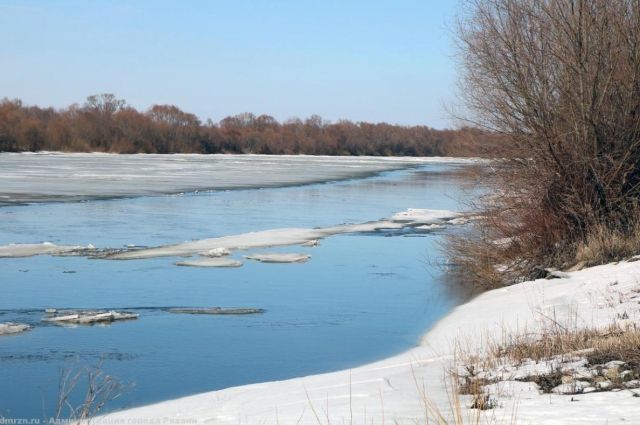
(389, 391)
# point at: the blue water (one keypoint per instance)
(360, 298)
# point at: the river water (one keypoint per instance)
(361, 297)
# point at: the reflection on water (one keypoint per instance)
(360, 298)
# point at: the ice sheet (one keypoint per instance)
(289, 236)
(277, 257)
(29, 177)
(220, 246)
(419, 216)
(210, 262)
(28, 250)
(8, 328)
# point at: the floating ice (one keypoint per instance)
(88, 317)
(279, 258)
(31, 249)
(214, 248)
(459, 220)
(210, 262)
(8, 328)
(417, 216)
(216, 252)
(430, 227)
(262, 239)
(216, 310)
(313, 243)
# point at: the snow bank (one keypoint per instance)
(389, 388)
(76, 176)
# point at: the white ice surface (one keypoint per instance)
(8, 328)
(277, 257)
(216, 252)
(210, 262)
(221, 246)
(288, 236)
(28, 250)
(423, 216)
(261, 239)
(388, 388)
(29, 177)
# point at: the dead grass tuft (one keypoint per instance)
(609, 359)
(598, 346)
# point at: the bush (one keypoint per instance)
(561, 79)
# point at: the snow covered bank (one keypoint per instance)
(29, 177)
(390, 388)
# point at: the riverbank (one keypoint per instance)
(392, 390)
(360, 298)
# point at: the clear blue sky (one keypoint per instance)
(369, 60)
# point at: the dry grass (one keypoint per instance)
(598, 346)
(495, 252)
(456, 412)
(603, 245)
(84, 392)
(557, 345)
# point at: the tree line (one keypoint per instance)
(105, 123)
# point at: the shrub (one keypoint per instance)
(561, 79)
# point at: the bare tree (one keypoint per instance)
(561, 78)
(105, 103)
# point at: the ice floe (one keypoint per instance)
(8, 328)
(210, 262)
(261, 239)
(430, 227)
(31, 249)
(211, 250)
(216, 252)
(277, 257)
(87, 317)
(312, 243)
(419, 216)
(217, 310)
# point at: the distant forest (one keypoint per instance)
(107, 124)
